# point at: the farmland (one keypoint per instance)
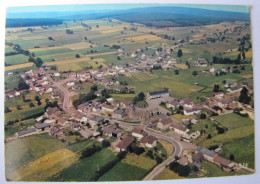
(84, 66)
(83, 169)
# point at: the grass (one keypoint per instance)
(124, 172)
(16, 59)
(52, 51)
(83, 169)
(22, 125)
(232, 121)
(24, 113)
(139, 161)
(120, 97)
(167, 174)
(19, 66)
(30, 148)
(44, 167)
(11, 82)
(212, 170)
(167, 146)
(242, 149)
(81, 145)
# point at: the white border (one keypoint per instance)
(255, 19)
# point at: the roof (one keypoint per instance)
(24, 132)
(187, 100)
(78, 116)
(205, 151)
(221, 160)
(120, 111)
(139, 131)
(97, 118)
(108, 106)
(198, 157)
(51, 110)
(179, 127)
(126, 102)
(159, 92)
(148, 139)
(41, 125)
(125, 142)
(167, 121)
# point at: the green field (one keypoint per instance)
(11, 82)
(124, 172)
(25, 150)
(242, 149)
(167, 174)
(52, 51)
(212, 170)
(16, 59)
(131, 168)
(18, 115)
(84, 169)
(22, 125)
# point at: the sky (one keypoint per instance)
(60, 8)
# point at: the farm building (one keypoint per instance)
(158, 94)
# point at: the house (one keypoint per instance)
(201, 62)
(111, 132)
(124, 144)
(235, 89)
(42, 126)
(119, 114)
(186, 101)
(179, 129)
(173, 104)
(191, 111)
(70, 84)
(207, 154)
(230, 84)
(108, 108)
(218, 95)
(13, 94)
(158, 94)
(84, 108)
(139, 133)
(164, 123)
(56, 131)
(224, 163)
(148, 141)
(80, 118)
(125, 103)
(94, 120)
(137, 113)
(51, 110)
(27, 132)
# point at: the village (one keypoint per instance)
(125, 121)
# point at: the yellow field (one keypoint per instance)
(186, 51)
(167, 174)
(248, 76)
(249, 54)
(145, 37)
(72, 60)
(181, 66)
(139, 161)
(80, 45)
(34, 38)
(22, 28)
(44, 167)
(46, 48)
(167, 146)
(180, 116)
(14, 67)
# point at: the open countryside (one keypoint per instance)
(128, 96)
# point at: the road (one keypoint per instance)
(177, 152)
(66, 94)
(175, 143)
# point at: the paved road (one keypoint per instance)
(154, 105)
(177, 146)
(177, 152)
(66, 94)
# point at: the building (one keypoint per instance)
(148, 141)
(139, 133)
(27, 132)
(164, 123)
(42, 126)
(201, 62)
(111, 132)
(158, 94)
(224, 163)
(207, 154)
(124, 144)
(119, 114)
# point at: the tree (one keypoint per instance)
(158, 159)
(203, 116)
(22, 85)
(7, 110)
(216, 88)
(194, 73)
(38, 62)
(209, 136)
(118, 58)
(244, 98)
(179, 53)
(176, 72)
(31, 105)
(18, 107)
(141, 96)
(105, 144)
(94, 88)
(195, 168)
(77, 56)
(231, 157)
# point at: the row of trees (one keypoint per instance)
(139, 97)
